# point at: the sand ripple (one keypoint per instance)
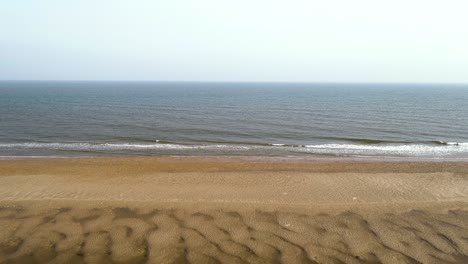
(137, 235)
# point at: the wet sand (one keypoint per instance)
(232, 210)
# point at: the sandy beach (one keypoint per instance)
(232, 210)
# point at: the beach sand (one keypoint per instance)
(232, 210)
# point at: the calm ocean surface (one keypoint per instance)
(157, 118)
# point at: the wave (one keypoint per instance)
(390, 150)
(110, 146)
(370, 141)
(363, 140)
(450, 143)
(285, 145)
(413, 149)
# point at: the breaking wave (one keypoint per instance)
(429, 149)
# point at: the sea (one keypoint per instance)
(319, 120)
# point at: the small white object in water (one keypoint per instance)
(354, 198)
(285, 193)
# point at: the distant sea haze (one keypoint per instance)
(61, 119)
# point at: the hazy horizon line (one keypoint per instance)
(231, 81)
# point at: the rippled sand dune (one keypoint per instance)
(137, 235)
(252, 215)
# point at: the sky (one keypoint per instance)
(241, 40)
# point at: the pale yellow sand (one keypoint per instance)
(232, 210)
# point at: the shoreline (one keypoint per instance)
(223, 180)
(231, 163)
(255, 157)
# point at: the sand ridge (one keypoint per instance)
(148, 235)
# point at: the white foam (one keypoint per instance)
(457, 143)
(454, 143)
(84, 146)
(409, 149)
(141, 146)
(417, 150)
(115, 146)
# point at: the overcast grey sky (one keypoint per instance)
(241, 40)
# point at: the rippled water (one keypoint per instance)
(151, 118)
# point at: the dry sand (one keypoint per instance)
(232, 210)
